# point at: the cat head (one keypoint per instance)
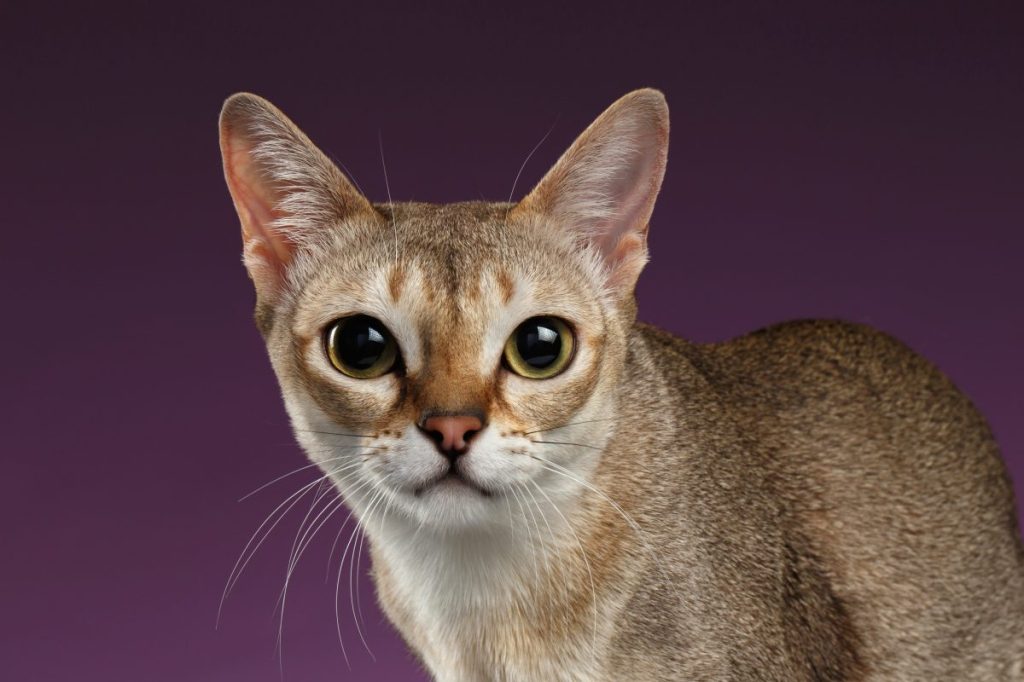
(437, 361)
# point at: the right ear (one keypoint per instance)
(287, 193)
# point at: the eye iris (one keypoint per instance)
(538, 342)
(361, 346)
(539, 348)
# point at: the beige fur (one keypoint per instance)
(810, 502)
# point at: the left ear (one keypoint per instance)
(604, 187)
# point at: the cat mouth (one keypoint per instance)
(452, 478)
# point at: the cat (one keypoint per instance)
(555, 491)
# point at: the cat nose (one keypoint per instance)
(452, 433)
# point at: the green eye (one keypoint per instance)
(539, 348)
(361, 347)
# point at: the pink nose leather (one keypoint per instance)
(452, 434)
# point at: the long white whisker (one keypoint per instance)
(586, 561)
(353, 584)
(337, 586)
(357, 533)
(292, 473)
(511, 521)
(298, 546)
(551, 532)
(334, 545)
(366, 483)
(641, 534)
(529, 532)
(247, 554)
(293, 558)
(359, 561)
(321, 492)
(307, 538)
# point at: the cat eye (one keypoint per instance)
(539, 348)
(361, 347)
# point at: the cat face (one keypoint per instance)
(462, 282)
(444, 363)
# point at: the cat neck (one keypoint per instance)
(528, 600)
(475, 568)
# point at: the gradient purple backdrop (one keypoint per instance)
(864, 162)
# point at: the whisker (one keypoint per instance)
(321, 520)
(249, 551)
(355, 565)
(355, 529)
(283, 595)
(350, 175)
(337, 503)
(242, 561)
(522, 167)
(365, 484)
(337, 590)
(586, 562)
(295, 471)
(387, 184)
(529, 532)
(511, 521)
(299, 545)
(641, 534)
(358, 557)
(375, 501)
(563, 442)
(336, 433)
(564, 426)
(551, 532)
(323, 517)
(385, 498)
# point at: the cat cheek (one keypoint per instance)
(366, 405)
(544, 403)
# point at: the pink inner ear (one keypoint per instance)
(604, 186)
(255, 207)
(634, 190)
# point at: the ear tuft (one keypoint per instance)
(604, 187)
(287, 193)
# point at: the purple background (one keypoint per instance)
(860, 160)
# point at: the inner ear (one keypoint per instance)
(287, 193)
(604, 187)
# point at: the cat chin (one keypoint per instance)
(451, 483)
(452, 505)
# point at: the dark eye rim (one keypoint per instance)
(397, 365)
(574, 336)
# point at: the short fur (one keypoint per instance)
(813, 501)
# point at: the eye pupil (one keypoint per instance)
(361, 346)
(538, 343)
(539, 348)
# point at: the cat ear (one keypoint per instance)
(604, 187)
(288, 194)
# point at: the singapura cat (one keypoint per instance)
(554, 491)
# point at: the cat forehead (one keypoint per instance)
(461, 250)
(463, 263)
(460, 235)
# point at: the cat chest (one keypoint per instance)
(486, 633)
